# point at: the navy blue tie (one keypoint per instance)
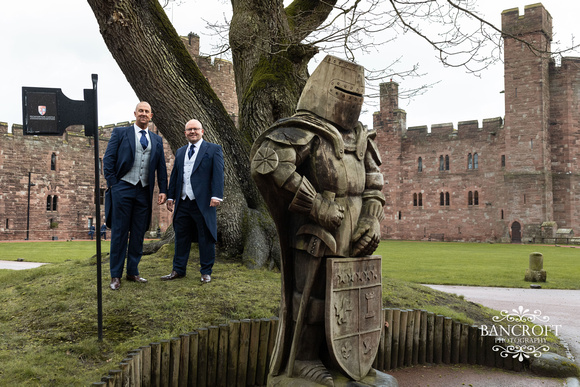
(191, 151)
(143, 140)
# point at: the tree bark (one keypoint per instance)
(270, 67)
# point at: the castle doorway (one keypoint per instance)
(516, 232)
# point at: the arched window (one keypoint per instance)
(420, 165)
(447, 198)
(441, 199)
(441, 163)
(54, 202)
(446, 162)
(469, 162)
(476, 198)
(48, 202)
(470, 198)
(475, 161)
(53, 162)
(414, 200)
(420, 199)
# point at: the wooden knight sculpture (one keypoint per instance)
(319, 174)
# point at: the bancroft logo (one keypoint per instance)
(519, 336)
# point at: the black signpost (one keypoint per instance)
(48, 112)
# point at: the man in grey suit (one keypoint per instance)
(132, 157)
(196, 189)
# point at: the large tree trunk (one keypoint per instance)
(271, 69)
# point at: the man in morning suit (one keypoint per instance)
(132, 157)
(196, 188)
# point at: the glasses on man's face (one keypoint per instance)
(187, 130)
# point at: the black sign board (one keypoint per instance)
(41, 112)
(47, 111)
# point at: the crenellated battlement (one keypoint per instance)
(535, 19)
(464, 129)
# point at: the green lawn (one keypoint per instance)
(477, 264)
(48, 316)
(50, 252)
(445, 263)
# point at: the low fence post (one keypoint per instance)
(388, 339)
(184, 359)
(422, 356)
(396, 337)
(234, 345)
(223, 350)
(156, 364)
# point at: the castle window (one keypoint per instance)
(417, 199)
(446, 162)
(502, 161)
(473, 198)
(102, 196)
(51, 202)
(475, 161)
(441, 163)
(447, 201)
(100, 166)
(441, 199)
(400, 215)
(469, 162)
(420, 165)
(53, 162)
(7, 224)
(502, 214)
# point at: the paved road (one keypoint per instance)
(15, 265)
(561, 306)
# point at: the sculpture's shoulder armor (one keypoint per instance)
(372, 147)
(289, 135)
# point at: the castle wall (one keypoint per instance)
(565, 139)
(528, 170)
(219, 73)
(69, 176)
(455, 219)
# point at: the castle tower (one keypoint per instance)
(528, 180)
(390, 124)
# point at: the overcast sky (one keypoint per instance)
(57, 44)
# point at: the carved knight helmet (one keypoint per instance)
(334, 92)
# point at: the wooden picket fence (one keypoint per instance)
(238, 353)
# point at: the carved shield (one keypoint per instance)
(354, 312)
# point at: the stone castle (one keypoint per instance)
(512, 179)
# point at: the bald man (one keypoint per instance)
(133, 156)
(196, 189)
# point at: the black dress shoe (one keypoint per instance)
(115, 283)
(172, 276)
(135, 278)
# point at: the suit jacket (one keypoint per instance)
(207, 180)
(119, 158)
